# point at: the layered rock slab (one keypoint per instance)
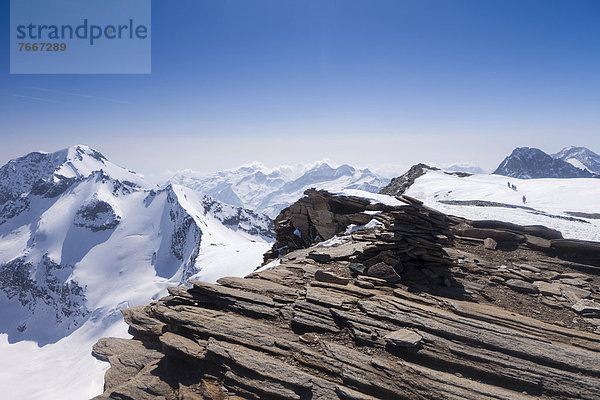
(364, 344)
(503, 328)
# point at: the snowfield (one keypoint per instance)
(550, 200)
(62, 370)
(67, 370)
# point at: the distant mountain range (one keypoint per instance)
(268, 191)
(464, 167)
(571, 162)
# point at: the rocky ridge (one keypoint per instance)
(419, 305)
(400, 184)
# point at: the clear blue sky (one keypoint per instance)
(365, 82)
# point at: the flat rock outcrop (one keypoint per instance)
(414, 307)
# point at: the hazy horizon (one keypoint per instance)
(159, 176)
(364, 83)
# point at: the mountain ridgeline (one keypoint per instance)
(530, 163)
(82, 236)
(269, 191)
(580, 157)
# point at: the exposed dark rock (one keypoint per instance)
(580, 214)
(403, 338)
(316, 217)
(383, 271)
(534, 230)
(400, 184)
(500, 236)
(548, 288)
(462, 322)
(581, 251)
(97, 215)
(241, 219)
(319, 257)
(52, 290)
(584, 156)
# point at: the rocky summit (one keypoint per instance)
(407, 303)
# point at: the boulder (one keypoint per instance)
(490, 244)
(587, 307)
(403, 338)
(521, 286)
(328, 277)
(320, 257)
(384, 271)
(532, 230)
(547, 288)
(538, 243)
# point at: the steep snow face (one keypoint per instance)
(568, 205)
(64, 249)
(528, 163)
(78, 244)
(580, 157)
(269, 191)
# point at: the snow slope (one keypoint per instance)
(269, 190)
(81, 238)
(550, 200)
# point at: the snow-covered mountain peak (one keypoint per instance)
(81, 237)
(19, 176)
(82, 160)
(528, 163)
(527, 153)
(580, 157)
